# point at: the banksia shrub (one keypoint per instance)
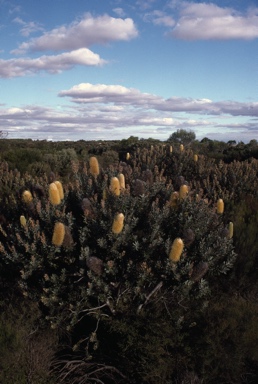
(58, 234)
(176, 250)
(121, 266)
(23, 221)
(94, 166)
(27, 197)
(118, 223)
(183, 191)
(220, 206)
(60, 189)
(115, 186)
(54, 195)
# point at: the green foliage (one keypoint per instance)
(245, 216)
(129, 313)
(26, 350)
(182, 136)
(227, 350)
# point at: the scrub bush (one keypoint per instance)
(110, 281)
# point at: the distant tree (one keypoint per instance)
(205, 140)
(182, 136)
(3, 134)
(231, 142)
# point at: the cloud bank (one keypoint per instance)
(52, 64)
(114, 111)
(207, 21)
(72, 41)
(86, 93)
(83, 33)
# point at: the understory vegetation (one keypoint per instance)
(131, 261)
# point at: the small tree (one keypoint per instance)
(182, 136)
(3, 134)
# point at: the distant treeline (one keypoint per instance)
(28, 155)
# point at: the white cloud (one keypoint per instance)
(207, 21)
(102, 93)
(120, 95)
(111, 111)
(83, 33)
(158, 17)
(27, 27)
(167, 21)
(51, 64)
(145, 4)
(119, 12)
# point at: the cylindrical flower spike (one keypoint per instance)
(230, 230)
(174, 199)
(176, 250)
(127, 156)
(121, 179)
(199, 271)
(60, 189)
(118, 223)
(23, 221)
(58, 234)
(183, 191)
(27, 197)
(115, 186)
(181, 148)
(220, 206)
(170, 149)
(54, 196)
(94, 166)
(195, 158)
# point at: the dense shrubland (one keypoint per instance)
(125, 261)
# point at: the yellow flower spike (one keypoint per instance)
(54, 195)
(58, 234)
(220, 206)
(170, 149)
(174, 199)
(94, 166)
(195, 158)
(176, 250)
(181, 148)
(115, 186)
(231, 230)
(23, 221)
(60, 189)
(183, 191)
(27, 197)
(118, 223)
(121, 179)
(127, 156)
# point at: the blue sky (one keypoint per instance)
(100, 69)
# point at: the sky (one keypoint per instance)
(108, 70)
